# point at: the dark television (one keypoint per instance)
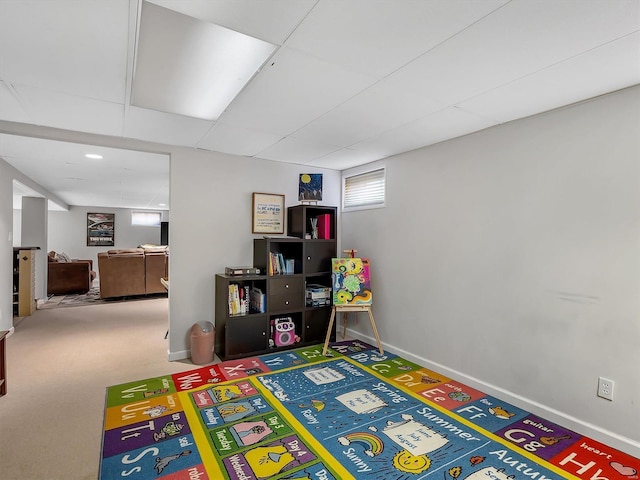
(164, 233)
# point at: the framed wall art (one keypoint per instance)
(310, 187)
(267, 213)
(100, 229)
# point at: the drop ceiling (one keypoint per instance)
(349, 81)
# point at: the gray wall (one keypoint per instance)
(68, 232)
(512, 256)
(210, 225)
(34, 234)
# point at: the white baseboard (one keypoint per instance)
(179, 355)
(599, 434)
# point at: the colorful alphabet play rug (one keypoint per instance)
(355, 414)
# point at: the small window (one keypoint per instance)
(365, 190)
(146, 219)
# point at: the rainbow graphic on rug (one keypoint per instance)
(371, 444)
(354, 414)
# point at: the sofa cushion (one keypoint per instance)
(62, 257)
(150, 248)
(126, 251)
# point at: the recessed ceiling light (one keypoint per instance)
(190, 67)
(162, 204)
(94, 156)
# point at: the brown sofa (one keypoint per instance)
(74, 276)
(132, 271)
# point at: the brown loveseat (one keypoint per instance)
(65, 277)
(132, 271)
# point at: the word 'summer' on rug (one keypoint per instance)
(357, 414)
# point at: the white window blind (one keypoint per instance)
(146, 219)
(364, 190)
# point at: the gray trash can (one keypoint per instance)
(202, 342)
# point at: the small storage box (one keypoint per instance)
(317, 295)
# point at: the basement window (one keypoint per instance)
(364, 190)
(146, 219)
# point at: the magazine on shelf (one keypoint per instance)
(242, 271)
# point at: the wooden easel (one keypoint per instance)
(345, 310)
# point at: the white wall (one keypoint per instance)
(68, 232)
(6, 240)
(513, 256)
(17, 228)
(7, 174)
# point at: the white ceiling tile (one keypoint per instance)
(377, 109)
(161, 127)
(78, 48)
(608, 68)
(292, 90)
(239, 141)
(520, 38)
(296, 150)
(437, 127)
(71, 112)
(376, 37)
(10, 107)
(344, 158)
(269, 20)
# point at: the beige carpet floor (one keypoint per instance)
(59, 362)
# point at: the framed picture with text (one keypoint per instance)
(100, 229)
(267, 215)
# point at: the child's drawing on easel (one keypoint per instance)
(351, 293)
(351, 281)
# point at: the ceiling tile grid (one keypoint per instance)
(350, 81)
(291, 91)
(237, 140)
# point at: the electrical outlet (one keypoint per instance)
(605, 388)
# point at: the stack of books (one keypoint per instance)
(278, 265)
(238, 299)
(317, 295)
(244, 299)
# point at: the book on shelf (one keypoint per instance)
(234, 299)
(239, 299)
(290, 266)
(257, 299)
(241, 271)
(324, 226)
